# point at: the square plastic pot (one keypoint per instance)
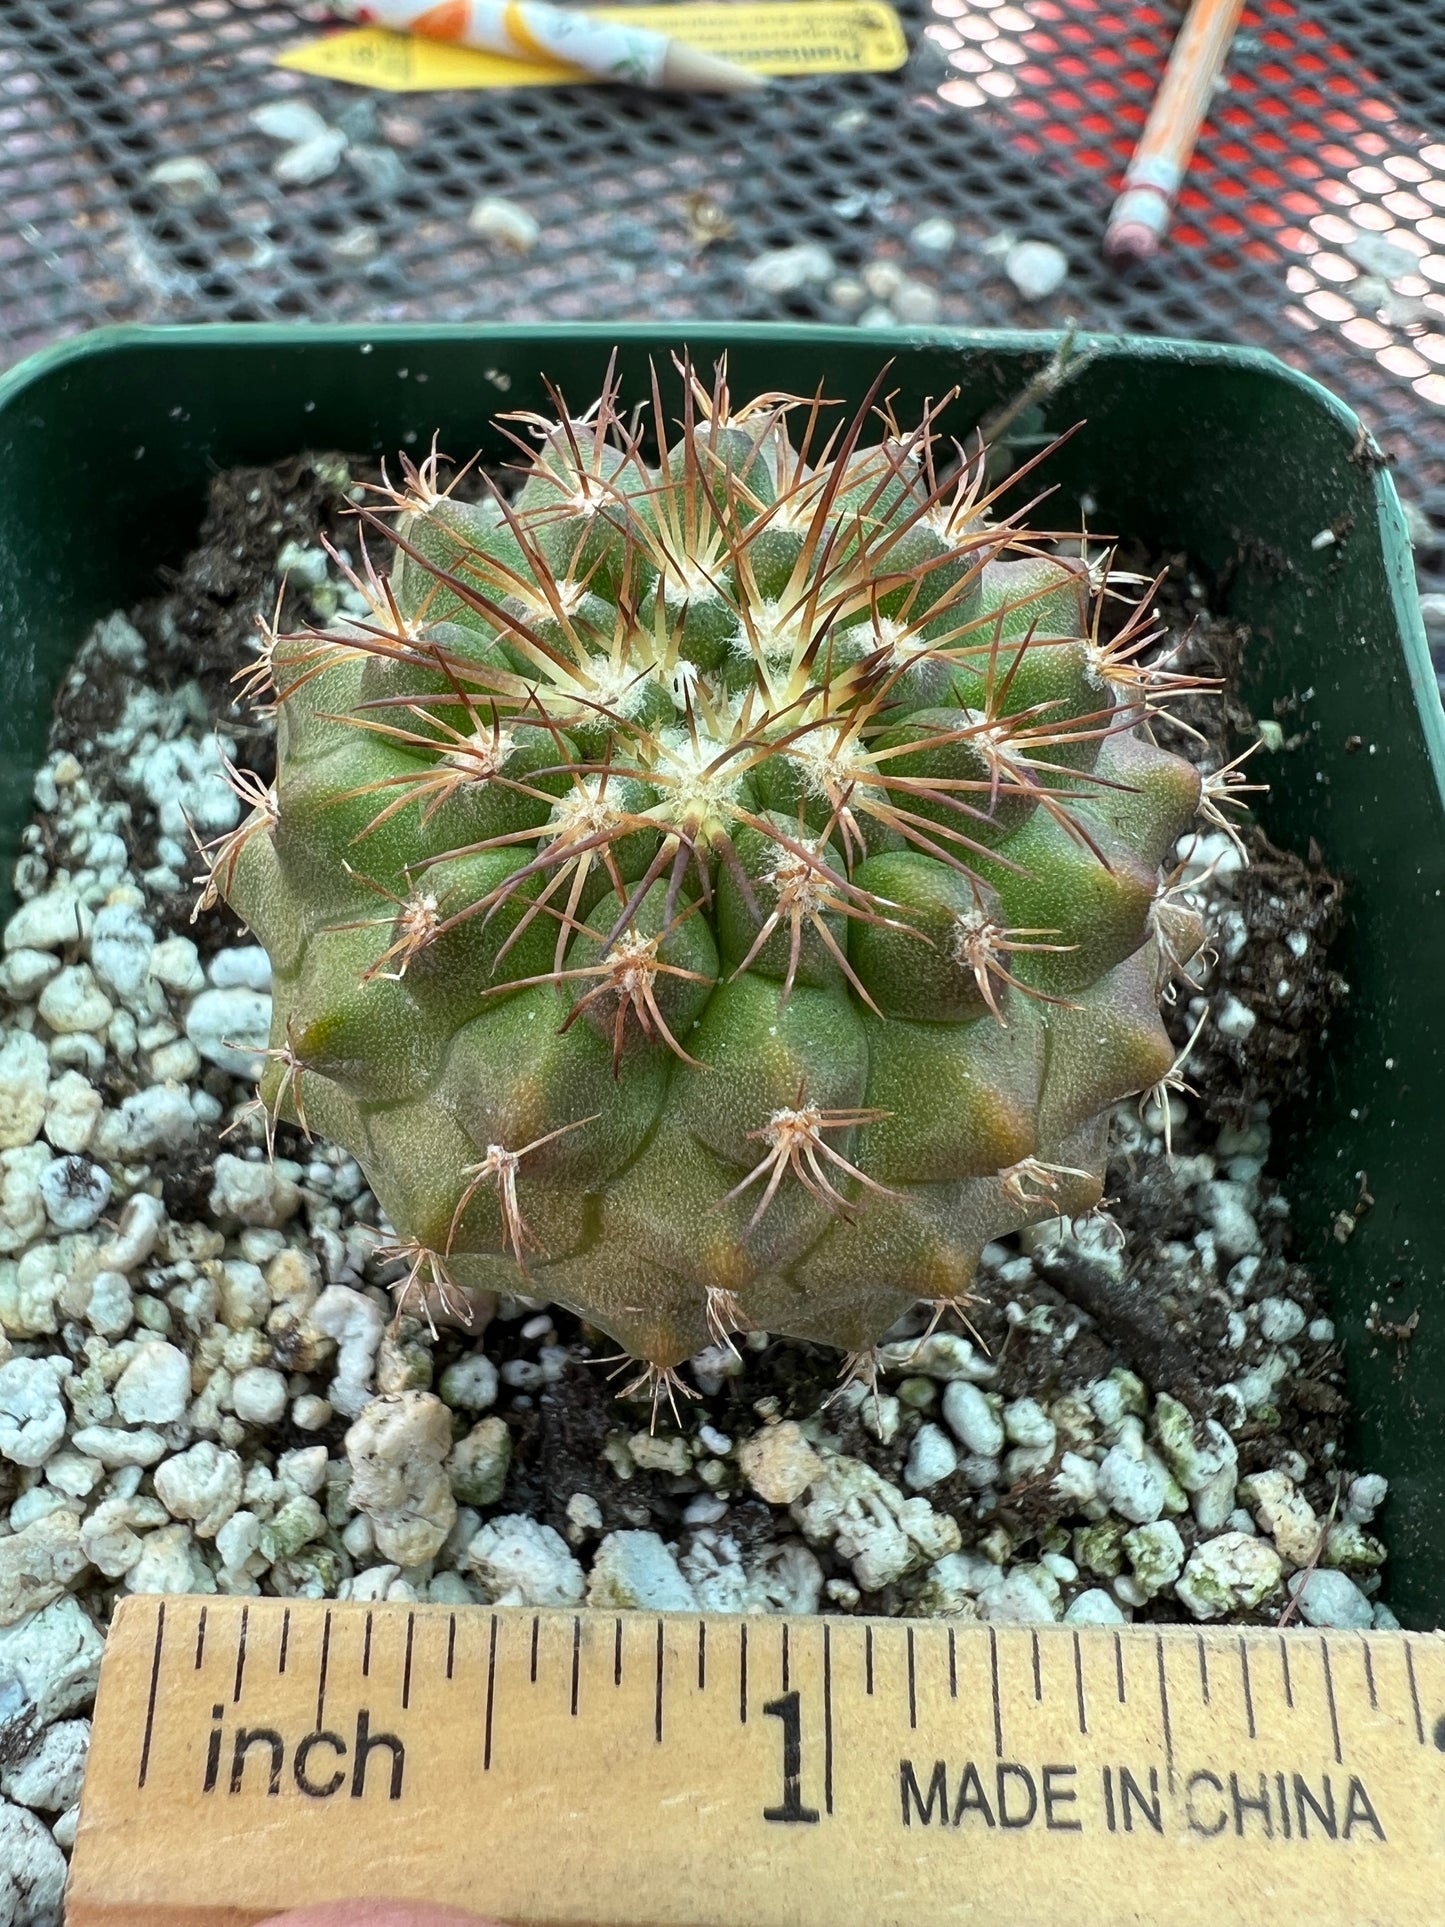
(1259, 475)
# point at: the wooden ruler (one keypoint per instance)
(679, 1771)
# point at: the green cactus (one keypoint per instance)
(721, 893)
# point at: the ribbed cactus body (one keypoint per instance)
(716, 889)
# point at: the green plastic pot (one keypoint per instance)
(107, 444)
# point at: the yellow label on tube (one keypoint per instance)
(793, 37)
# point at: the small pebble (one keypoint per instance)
(785, 270)
(917, 303)
(290, 121)
(311, 160)
(936, 235)
(357, 243)
(1036, 268)
(503, 221)
(381, 168)
(186, 180)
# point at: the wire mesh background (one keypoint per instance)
(1313, 222)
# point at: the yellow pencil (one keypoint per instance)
(1140, 216)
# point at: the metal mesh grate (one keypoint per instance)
(1313, 223)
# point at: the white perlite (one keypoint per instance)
(635, 1571)
(778, 1463)
(1328, 1598)
(932, 1457)
(470, 1383)
(202, 1485)
(1231, 1572)
(32, 1416)
(74, 1192)
(49, 1665)
(520, 1562)
(38, 1564)
(397, 1449)
(48, 1774)
(255, 1191)
(356, 1323)
(121, 946)
(972, 1419)
(870, 1523)
(231, 1028)
(1132, 1482)
(155, 1388)
(32, 1871)
(258, 1395)
(170, 1561)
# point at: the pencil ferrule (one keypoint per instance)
(1154, 171)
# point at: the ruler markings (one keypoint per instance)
(322, 1670)
(1414, 1693)
(1309, 1728)
(617, 1652)
(491, 1693)
(1330, 1696)
(742, 1670)
(657, 1699)
(828, 1713)
(868, 1661)
(145, 1750)
(1163, 1710)
(240, 1655)
(366, 1648)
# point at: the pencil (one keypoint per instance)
(1139, 218)
(534, 30)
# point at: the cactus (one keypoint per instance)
(719, 891)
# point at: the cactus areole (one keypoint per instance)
(720, 885)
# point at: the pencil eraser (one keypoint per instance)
(1131, 241)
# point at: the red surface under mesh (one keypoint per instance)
(1013, 117)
